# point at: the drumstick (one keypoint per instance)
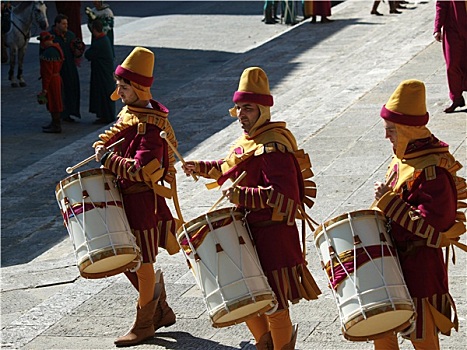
(234, 184)
(388, 181)
(70, 169)
(163, 134)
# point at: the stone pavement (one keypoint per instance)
(329, 82)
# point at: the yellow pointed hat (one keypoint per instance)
(138, 68)
(407, 104)
(406, 108)
(254, 87)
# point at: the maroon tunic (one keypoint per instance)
(273, 187)
(149, 223)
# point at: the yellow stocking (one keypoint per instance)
(431, 341)
(281, 328)
(146, 283)
(258, 326)
(387, 343)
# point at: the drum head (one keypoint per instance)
(242, 309)
(379, 322)
(105, 263)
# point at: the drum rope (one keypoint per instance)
(123, 217)
(334, 292)
(395, 257)
(349, 217)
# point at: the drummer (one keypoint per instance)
(141, 163)
(421, 204)
(269, 195)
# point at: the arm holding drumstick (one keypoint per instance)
(101, 152)
(382, 188)
(228, 192)
(163, 134)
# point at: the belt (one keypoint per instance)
(409, 247)
(266, 223)
(136, 188)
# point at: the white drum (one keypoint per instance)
(93, 214)
(224, 262)
(372, 298)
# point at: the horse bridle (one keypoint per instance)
(26, 37)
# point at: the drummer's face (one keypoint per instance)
(247, 114)
(391, 132)
(126, 93)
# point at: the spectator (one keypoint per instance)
(71, 9)
(103, 13)
(102, 78)
(72, 48)
(51, 60)
(451, 29)
(393, 6)
(313, 8)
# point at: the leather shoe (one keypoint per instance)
(68, 119)
(100, 121)
(52, 129)
(458, 102)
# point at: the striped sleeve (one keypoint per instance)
(409, 218)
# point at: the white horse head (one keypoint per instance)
(40, 15)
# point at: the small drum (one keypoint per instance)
(224, 262)
(93, 214)
(364, 274)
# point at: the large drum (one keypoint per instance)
(364, 274)
(224, 262)
(94, 216)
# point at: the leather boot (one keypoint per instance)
(163, 315)
(265, 343)
(142, 328)
(291, 344)
(54, 127)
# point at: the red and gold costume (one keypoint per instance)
(141, 163)
(144, 166)
(273, 193)
(272, 199)
(421, 207)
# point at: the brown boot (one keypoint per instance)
(163, 315)
(143, 327)
(291, 344)
(55, 126)
(265, 343)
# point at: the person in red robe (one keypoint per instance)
(271, 193)
(420, 201)
(451, 29)
(51, 60)
(144, 164)
(313, 8)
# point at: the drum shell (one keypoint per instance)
(373, 299)
(228, 272)
(94, 216)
